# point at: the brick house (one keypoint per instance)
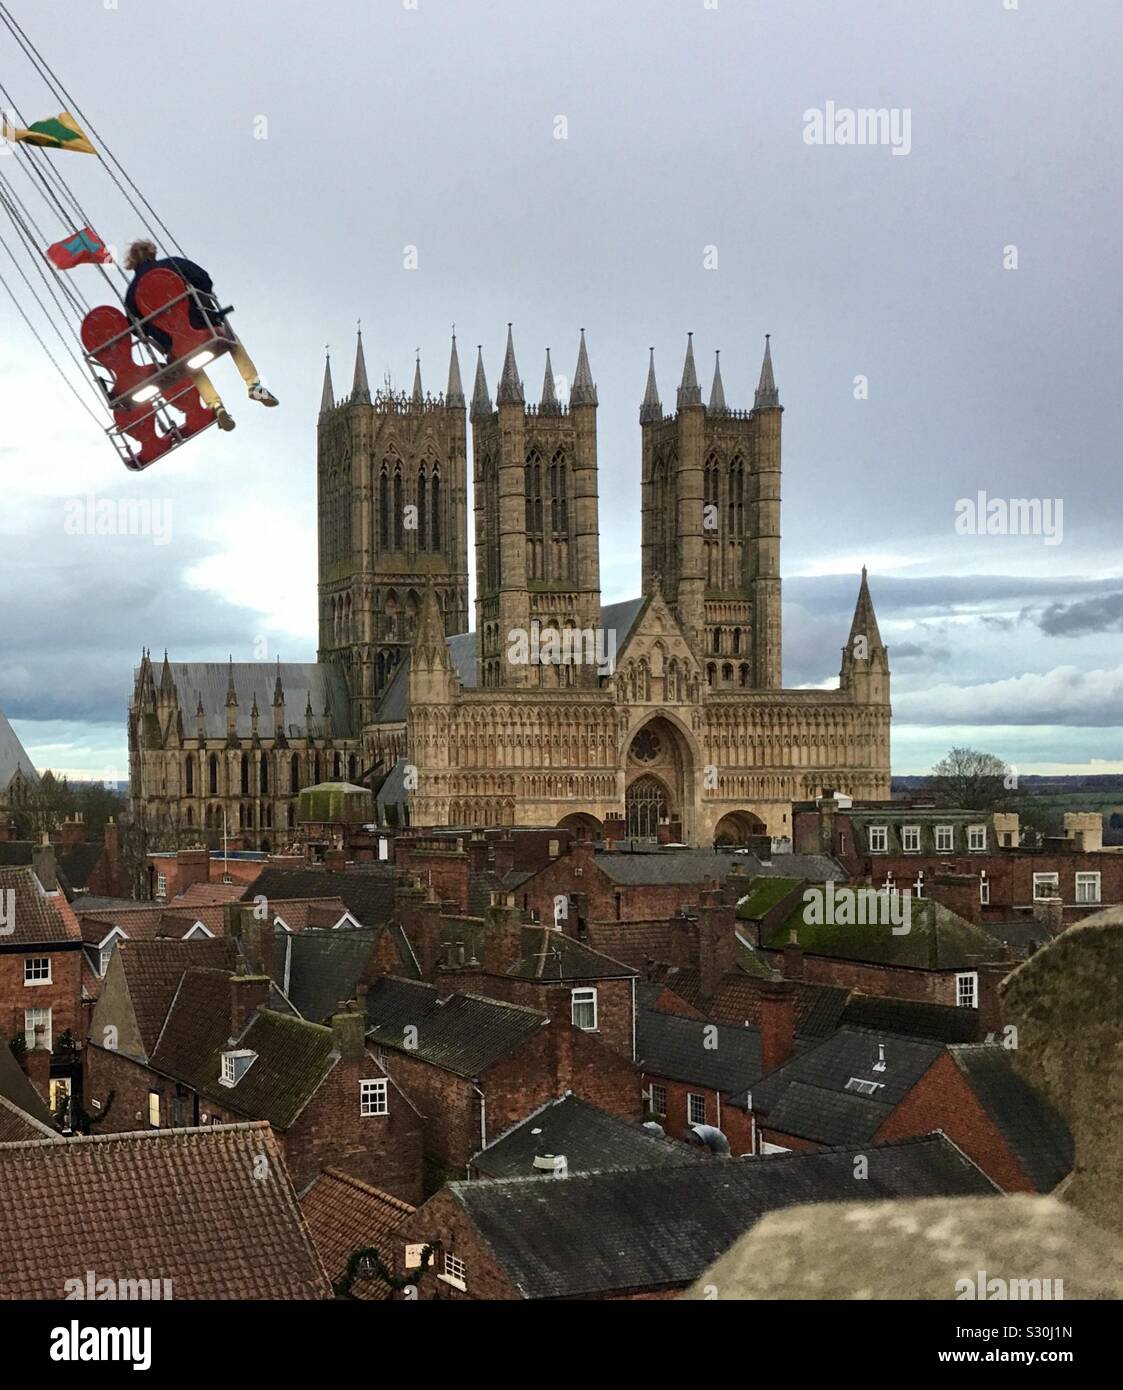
(863, 1086)
(222, 1056)
(474, 1066)
(346, 1216)
(645, 1233)
(211, 1228)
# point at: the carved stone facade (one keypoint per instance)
(662, 717)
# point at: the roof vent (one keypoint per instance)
(552, 1163)
(879, 1065)
(713, 1139)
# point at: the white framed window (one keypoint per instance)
(35, 1018)
(878, 839)
(553, 849)
(37, 969)
(583, 1009)
(842, 843)
(374, 1098)
(945, 838)
(103, 958)
(235, 1065)
(1087, 888)
(918, 886)
(967, 989)
(455, 1272)
(161, 885)
(976, 838)
(767, 1148)
(984, 890)
(695, 1109)
(658, 1100)
(862, 1087)
(910, 839)
(1046, 886)
(154, 1109)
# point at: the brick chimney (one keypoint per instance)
(335, 860)
(777, 1023)
(501, 946)
(256, 935)
(479, 852)
(247, 994)
(504, 854)
(1050, 913)
(793, 957)
(43, 862)
(72, 830)
(716, 941)
(112, 837)
(37, 1060)
(348, 1029)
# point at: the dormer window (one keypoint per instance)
(945, 838)
(235, 1065)
(976, 838)
(878, 839)
(910, 839)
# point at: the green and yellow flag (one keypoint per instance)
(61, 132)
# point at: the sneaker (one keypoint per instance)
(223, 419)
(262, 394)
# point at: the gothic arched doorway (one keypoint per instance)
(645, 805)
(735, 827)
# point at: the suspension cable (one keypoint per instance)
(22, 220)
(38, 337)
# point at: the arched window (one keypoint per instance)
(190, 815)
(435, 541)
(294, 774)
(213, 775)
(717, 640)
(316, 770)
(292, 815)
(736, 497)
(265, 774)
(245, 775)
(399, 515)
(422, 508)
(384, 508)
(744, 674)
(736, 641)
(645, 805)
(189, 774)
(336, 767)
(711, 673)
(352, 769)
(727, 673)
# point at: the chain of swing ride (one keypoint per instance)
(68, 306)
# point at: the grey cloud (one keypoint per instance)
(1085, 616)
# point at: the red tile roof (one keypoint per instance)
(202, 894)
(345, 1215)
(212, 1210)
(41, 919)
(153, 970)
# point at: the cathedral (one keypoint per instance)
(662, 718)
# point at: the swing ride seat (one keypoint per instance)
(139, 394)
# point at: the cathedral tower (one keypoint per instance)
(711, 522)
(392, 508)
(537, 529)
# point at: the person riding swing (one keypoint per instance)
(140, 259)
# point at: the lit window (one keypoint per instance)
(945, 838)
(154, 1109)
(455, 1272)
(967, 990)
(37, 970)
(878, 839)
(37, 1018)
(976, 838)
(696, 1109)
(373, 1097)
(1046, 886)
(910, 839)
(583, 1009)
(1087, 888)
(658, 1100)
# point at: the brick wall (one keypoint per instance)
(442, 1219)
(63, 996)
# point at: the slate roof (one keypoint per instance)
(660, 1228)
(702, 865)
(551, 955)
(937, 939)
(145, 921)
(345, 1215)
(318, 968)
(153, 970)
(208, 681)
(23, 1112)
(913, 1017)
(13, 756)
(676, 1047)
(179, 1204)
(40, 918)
(293, 1055)
(591, 1139)
(1033, 1129)
(368, 893)
(822, 1109)
(78, 863)
(926, 821)
(463, 1033)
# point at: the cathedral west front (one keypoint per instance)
(662, 718)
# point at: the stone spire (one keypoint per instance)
(689, 392)
(231, 694)
(360, 389)
(510, 387)
(454, 395)
(278, 688)
(481, 401)
(167, 685)
(865, 619)
(583, 392)
(327, 396)
(717, 404)
(549, 402)
(767, 397)
(418, 394)
(652, 408)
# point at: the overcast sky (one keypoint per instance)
(684, 196)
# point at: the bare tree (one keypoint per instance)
(973, 780)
